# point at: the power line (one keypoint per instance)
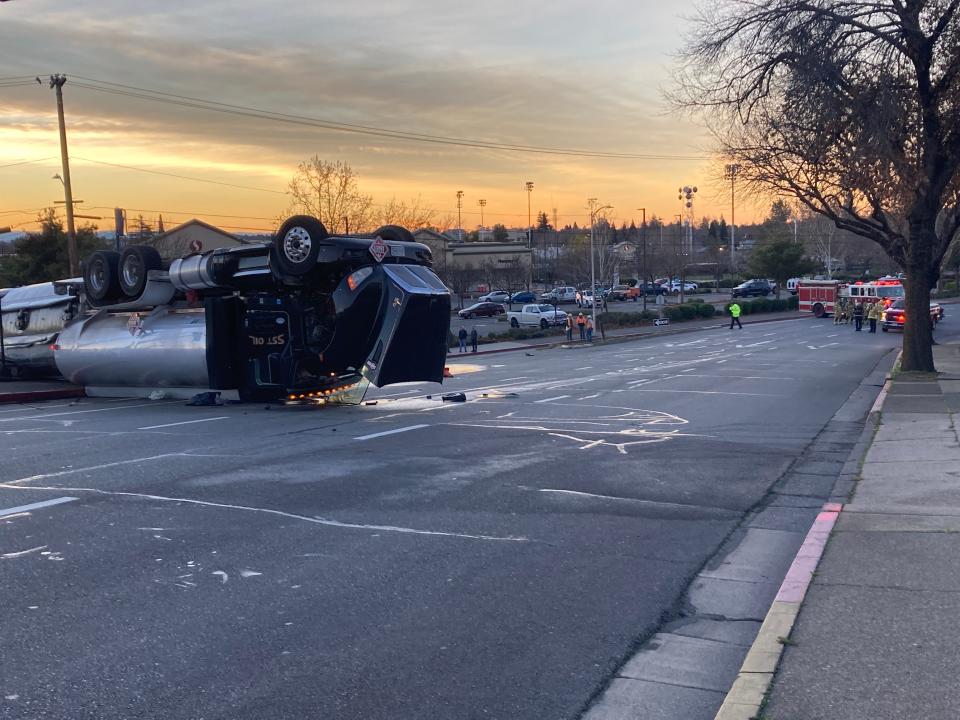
(244, 111)
(26, 162)
(179, 177)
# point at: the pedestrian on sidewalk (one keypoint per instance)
(462, 337)
(735, 315)
(570, 327)
(589, 330)
(473, 339)
(873, 314)
(582, 324)
(858, 316)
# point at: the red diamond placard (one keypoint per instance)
(379, 249)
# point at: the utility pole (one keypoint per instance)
(56, 83)
(459, 221)
(482, 203)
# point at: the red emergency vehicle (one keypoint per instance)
(820, 296)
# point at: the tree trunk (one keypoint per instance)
(917, 330)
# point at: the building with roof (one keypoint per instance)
(189, 237)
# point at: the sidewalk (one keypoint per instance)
(877, 636)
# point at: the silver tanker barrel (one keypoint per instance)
(163, 349)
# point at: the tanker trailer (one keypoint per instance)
(305, 316)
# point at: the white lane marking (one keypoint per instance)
(80, 412)
(762, 342)
(578, 493)
(812, 347)
(834, 335)
(8, 555)
(827, 345)
(185, 422)
(269, 511)
(589, 397)
(371, 436)
(29, 408)
(546, 400)
(35, 506)
(71, 471)
(586, 367)
(707, 392)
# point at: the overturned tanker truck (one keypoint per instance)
(310, 315)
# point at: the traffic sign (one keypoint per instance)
(379, 249)
(662, 321)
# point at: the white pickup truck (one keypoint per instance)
(542, 315)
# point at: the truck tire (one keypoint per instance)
(818, 310)
(101, 276)
(394, 233)
(297, 245)
(135, 262)
(544, 324)
(514, 323)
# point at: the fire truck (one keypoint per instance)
(820, 296)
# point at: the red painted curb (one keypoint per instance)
(40, 395)
(797, 581)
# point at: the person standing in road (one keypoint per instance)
(858, 316)
(462, 337)
(570, 327)
(735, 315)
(473, 339)
(873, 314)
(589, 330)
(582, 324)
(579, 298)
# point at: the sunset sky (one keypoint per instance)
(564, 74)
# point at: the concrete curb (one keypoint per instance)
(623, 338)
(40, 395)
(874, 415)
(749, 690)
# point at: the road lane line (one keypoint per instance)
(185, 422)
(81, 412)
(71, 471)
(35, 506)
(317, 520)
(546, 400)
(391, 432)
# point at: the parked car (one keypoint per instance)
(647, 289)
(560, 294)
(586, 298)
(537, 315)
(618, 292)
(752, 288)
(482, 309)
(523, 297)
(687, 286)
(894, 317)
(497, 296)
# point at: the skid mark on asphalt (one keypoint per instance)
(328, 522)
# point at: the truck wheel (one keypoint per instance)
(100, 276)
(395, 233)
(135, 262)
(818, 310)
(544, 324)
(514, 323)
(297, 245)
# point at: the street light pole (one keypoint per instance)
(643, 276)
(591, 203)
(731, 172)
(459, 221)
(482, 203)
(529, 220)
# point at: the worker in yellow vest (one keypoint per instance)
(735, 315)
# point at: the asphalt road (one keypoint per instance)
(498, 558)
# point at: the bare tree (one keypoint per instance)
(412, 215)
(330, 192)
(850, 108)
